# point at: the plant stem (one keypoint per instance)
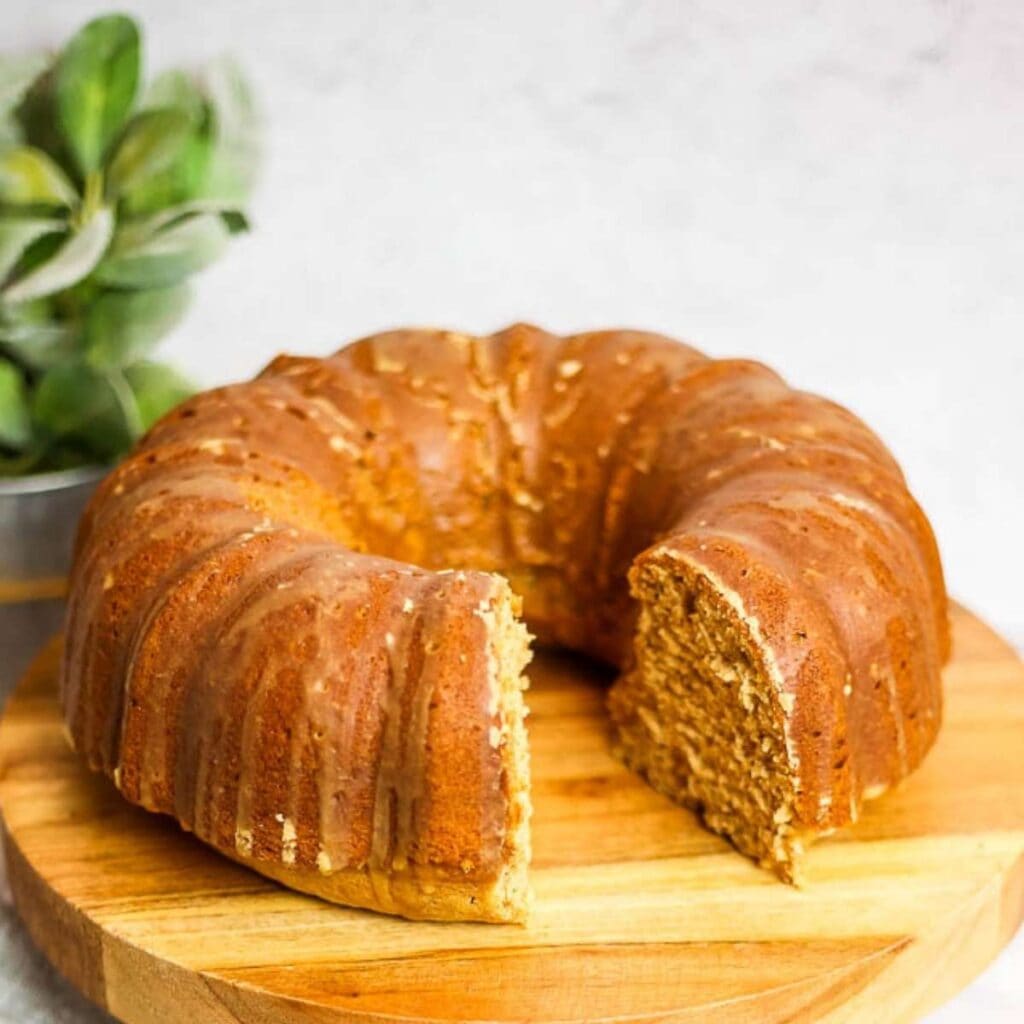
(92, 198)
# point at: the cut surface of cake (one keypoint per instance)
(294, 621)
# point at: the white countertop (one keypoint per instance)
(834, 187)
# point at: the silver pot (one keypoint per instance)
(38, 518)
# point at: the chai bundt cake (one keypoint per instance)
(293, 621)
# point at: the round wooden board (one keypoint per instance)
(640, 914)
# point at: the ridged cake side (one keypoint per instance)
(288, 626)
(346, 723)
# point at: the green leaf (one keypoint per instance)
(97, 76)
(76, 258)
(234, 220)
(10, 130)
(17, 73)
(151, 143)
(78, 403)
(182, 178)
(122, 327)
(39, 311)
(178, 90)
(235, 158)
(28, 175)
(39, 346)
(43, 332)
(178, 183)
(19, 465)
(15, 420)
(157, 389)
(17, 234)
(143, 258)
(37, 119)
(35, 255)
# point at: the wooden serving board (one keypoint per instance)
(641, 915)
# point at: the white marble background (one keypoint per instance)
(834, 187)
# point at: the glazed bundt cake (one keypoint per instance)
(294, 624)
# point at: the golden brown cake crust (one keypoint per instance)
(261, 641)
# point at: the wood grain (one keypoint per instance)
(641, 914)
(44, 588)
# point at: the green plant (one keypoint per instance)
(111, 198)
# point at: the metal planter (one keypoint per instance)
(38, 518)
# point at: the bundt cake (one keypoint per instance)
(294, 618)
